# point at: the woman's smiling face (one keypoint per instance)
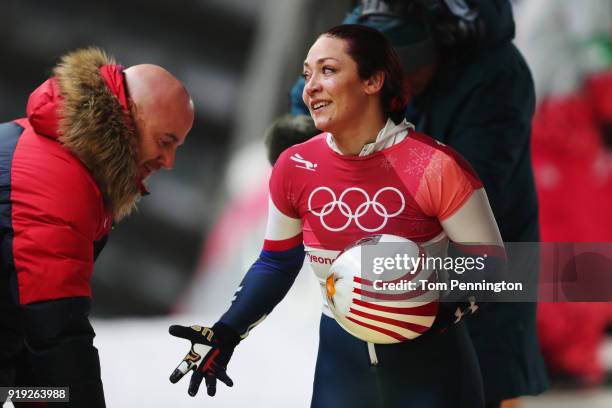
(333, 92)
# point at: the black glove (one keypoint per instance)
(212, 348)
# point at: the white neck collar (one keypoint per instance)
(388, 136)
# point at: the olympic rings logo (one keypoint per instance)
(361, 210)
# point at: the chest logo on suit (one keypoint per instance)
(336, 213)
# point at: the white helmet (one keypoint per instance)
(378, 307)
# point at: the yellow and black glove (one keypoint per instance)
(211, 350)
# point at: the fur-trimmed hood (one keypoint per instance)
(76, 107)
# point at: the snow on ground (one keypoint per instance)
(272, 367)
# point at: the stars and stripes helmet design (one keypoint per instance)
(377, 306)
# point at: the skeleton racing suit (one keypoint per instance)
(406, 184)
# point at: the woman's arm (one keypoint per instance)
(271, 276)
(474, 234)
(473, 222)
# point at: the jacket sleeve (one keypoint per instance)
(492, 132)
(57, 214)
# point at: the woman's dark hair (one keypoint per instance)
(373, 52)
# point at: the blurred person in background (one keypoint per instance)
(471, 89)
(353, 90)
(75, 165)
(286, 131)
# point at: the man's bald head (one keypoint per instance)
(163, 112)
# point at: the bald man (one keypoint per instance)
(75, 165)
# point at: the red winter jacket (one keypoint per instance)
(57, 209)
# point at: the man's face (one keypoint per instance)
(161, 130)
